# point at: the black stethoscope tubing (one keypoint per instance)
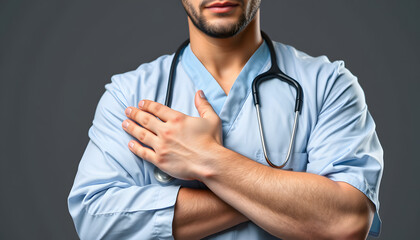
(273, 72)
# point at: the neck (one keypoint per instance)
(224, 58)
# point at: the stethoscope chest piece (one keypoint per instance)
(161, 176)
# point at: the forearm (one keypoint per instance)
(286, 204)
(200, 213)
(289, 205)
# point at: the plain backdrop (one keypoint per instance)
(56, 56)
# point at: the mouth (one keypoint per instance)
(222, 7)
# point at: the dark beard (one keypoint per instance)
(219, 32)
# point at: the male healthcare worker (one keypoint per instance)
(209, 142)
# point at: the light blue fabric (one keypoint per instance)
(115, 195)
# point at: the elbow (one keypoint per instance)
(358, 230)
(348, 231)
(85, 222)
(353, 219)
(89, 225)
(346, 226)
(77, 210)
(354, 226)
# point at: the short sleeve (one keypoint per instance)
(343, 144)
(111, 198)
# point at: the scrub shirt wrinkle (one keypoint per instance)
(115, 194)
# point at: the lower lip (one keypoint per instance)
(221, 9)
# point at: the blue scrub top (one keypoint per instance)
(115, 194)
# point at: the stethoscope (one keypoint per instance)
(273, 72)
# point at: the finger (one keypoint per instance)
(145, 119)
(142, 152)
(140, 133)
(203, 106)
(161, 111)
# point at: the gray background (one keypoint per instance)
(56, 57)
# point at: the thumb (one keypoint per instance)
(203, 106)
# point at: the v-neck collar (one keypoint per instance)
(226, 106)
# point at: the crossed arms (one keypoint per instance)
(289, 205)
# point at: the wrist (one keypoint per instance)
(213, 160)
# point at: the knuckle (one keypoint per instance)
(142, 135)
(161, 147)
(156, 108)
(160, 159)
(163, 150)
(167, 132)
(142, 153)
(132, 126)
(144, 121)
(134, 114)
(178, 118)
(138, 150)
(203, 113)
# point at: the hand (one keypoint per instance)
(180, 144)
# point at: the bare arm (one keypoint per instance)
(200, 213)
(290, 205)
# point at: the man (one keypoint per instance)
(209, 141)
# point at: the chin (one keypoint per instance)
(223, 23)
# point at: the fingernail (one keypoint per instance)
(128, 111)
(131, 144)
(141, 103)
(202, 94)
(125, 124)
